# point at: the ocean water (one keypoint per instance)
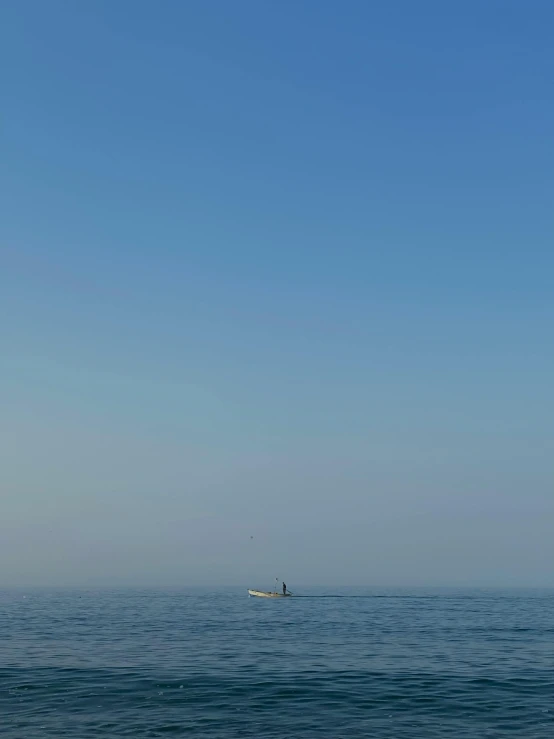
(376, 663)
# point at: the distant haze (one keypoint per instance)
(276, 293)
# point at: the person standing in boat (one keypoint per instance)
(284, 589)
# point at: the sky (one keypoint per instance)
(276, 293)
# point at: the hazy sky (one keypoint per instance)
(282, 270)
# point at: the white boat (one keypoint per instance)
(261, 594)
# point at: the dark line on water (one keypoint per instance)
(350, 597)
(406, 597)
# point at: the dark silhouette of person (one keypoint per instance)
(284, 589)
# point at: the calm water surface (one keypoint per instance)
(391, 664)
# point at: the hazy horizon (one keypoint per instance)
(323, 591)
(282, 272)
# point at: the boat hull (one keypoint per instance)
(261, 594)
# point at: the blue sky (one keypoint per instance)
(283, 270)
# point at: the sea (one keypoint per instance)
(383, 663)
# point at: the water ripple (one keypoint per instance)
(139, 664)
